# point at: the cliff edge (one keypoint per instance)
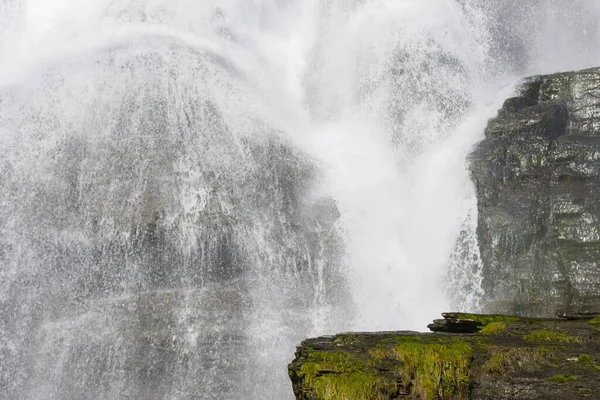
(481, 357)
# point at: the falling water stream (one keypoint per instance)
(189, 188)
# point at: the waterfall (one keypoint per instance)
(190, 188)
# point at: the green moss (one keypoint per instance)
(435, 370)
(336, 362)
(585, 361)
(432, 368)
(502, 359)
(379, 353)
(495, 365)
(595, 322)
(549, 351)
(551, 336)
(351, 387)
(340, 376)
(494, 328)
(398, 339)
(309, 371)
(428, 366)
(562, 378)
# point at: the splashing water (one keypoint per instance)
(189, 188)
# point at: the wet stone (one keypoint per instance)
(537, 177)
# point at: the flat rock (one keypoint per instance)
(508, 358)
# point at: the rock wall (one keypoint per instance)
(537, 175)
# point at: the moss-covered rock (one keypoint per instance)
(508, 358)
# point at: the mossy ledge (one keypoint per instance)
(507, 358)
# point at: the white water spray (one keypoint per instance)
(189, 188)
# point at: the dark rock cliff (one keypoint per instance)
(537, 175)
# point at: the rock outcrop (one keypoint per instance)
(537, 175)
(507, 358)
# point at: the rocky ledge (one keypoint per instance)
(503, 357)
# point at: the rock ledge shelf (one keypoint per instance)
(468, 356)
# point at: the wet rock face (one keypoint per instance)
(152, 231)
(537, 175)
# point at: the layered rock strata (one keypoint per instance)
(537, 175)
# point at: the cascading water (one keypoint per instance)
(189, 188)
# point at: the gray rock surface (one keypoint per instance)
(537, 176)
